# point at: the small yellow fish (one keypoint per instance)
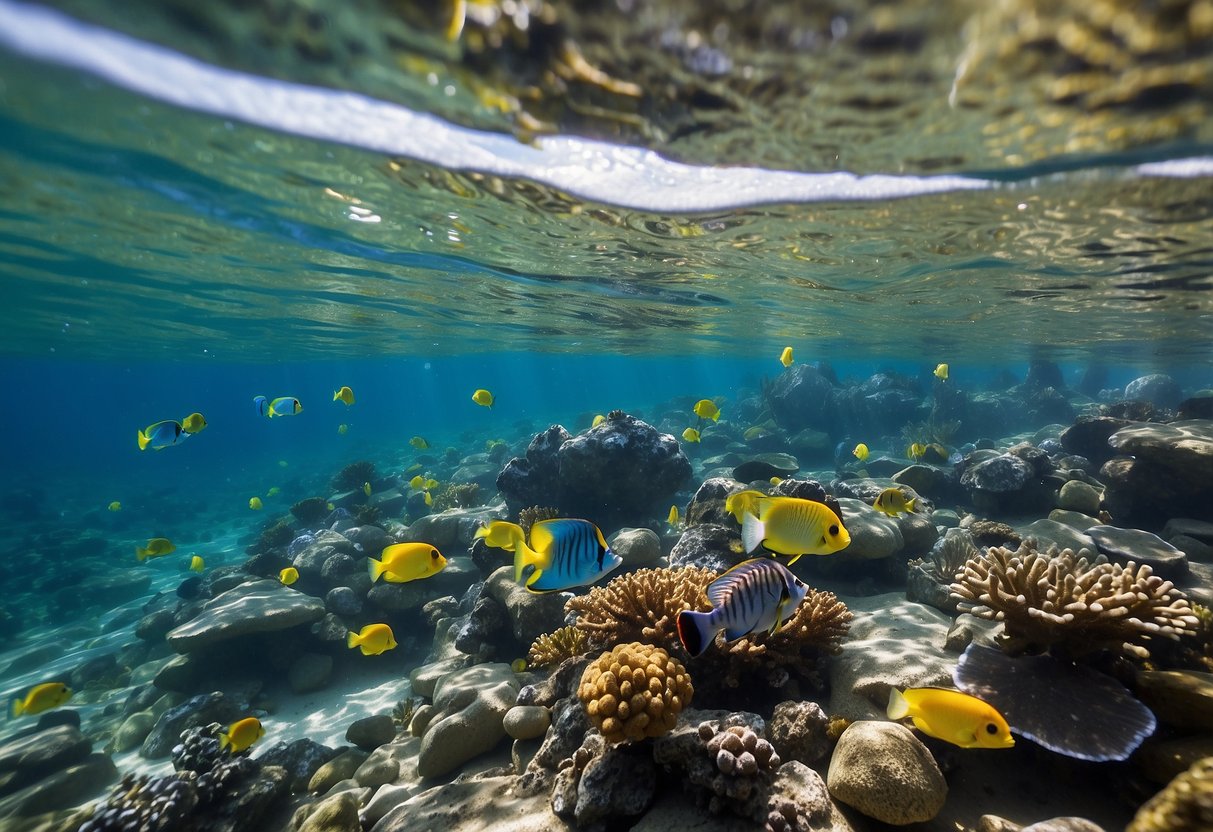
(893, 502)
(742, 503)
(690, 435)
(861, 452)
(916, 451)
(951, 716)
(483, 398)
(706, 409)
(274, 491)
(197, 564)
(416, 466)
(288, 576)
(372, 639)
(241, 735)
(785, 357)
(366, 488)
(420, 443)
(41, 698)
(775, 480)
(790, 526)
(431, 484)
(343, 429)
(115, 506)
(193, 423)
(157, 547)
(518, 665)
(429, 499)
(254, 503)
(330, 506)
(345, 394)
(941, 372)
(598, 420)
(417, 482)
(404, 562)
(672, 519)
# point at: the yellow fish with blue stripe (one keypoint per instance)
(41, 698)
(345, 394)
(565, 552)
(755, 596)
(281, 406)
(951, 716)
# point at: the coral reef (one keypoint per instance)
(528, 517)
(1063, 602)
(354, 475)
(311, 510)
(929, 579)
(1185, 805)
(367, 514)
(553, 648)
(641, 606)
(993, 533)
(274, 536)
(458, 495)
(634, 691)
(739, 754)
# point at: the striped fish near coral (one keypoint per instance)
(565, 552)
(757, 595)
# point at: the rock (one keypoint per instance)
(310, 672)
(707, 506)
(1124, 545)
(800, 790)
(453, 529)
(30, 758)
(765, 466)
(1065, 824)
(1183, 698)
(639, 548)
(471, 705)
(945, 517)
(873, 534)
(483, 803)
(1077, 495)
(341, 600)
(341, 767)
(299, 759)
(1201, 530)
(386, 798)
(181, 674)
(998, 475)
(395, 761)
(453, 580)
(918, 534)
(338, 813)
(1075, 520)
(1168, 471)
(802, 397)
(530, 614)
(370, 732)
(710, 546)
(133, 731)
(61, 790)
(424, 680)
(525, 722)
(1160, 760)
(256, 607)
(618, 784)
(884, 771)
(421, 720)
(798, 731)
(1158, 389)
(924, 479)
(1088, 437)
(199, 710)
(154, 625)
(1052, 533)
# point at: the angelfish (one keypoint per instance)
(565, 552)
(757, 595)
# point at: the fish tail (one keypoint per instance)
(225, 742)
(353, 640)
(336, 395)
(695, 631)
(376, 569)
(910, 504)
(141, 554)
(143, 441)
(752, 532)
(899, 706)
(17, 709)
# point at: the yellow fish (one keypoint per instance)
(672, 519)
(240, 735)
(941, 372)
(743, 502)
(785, 357)
(690, 435)
(416, 466)
(893, 502)
(254, 503)
(345, 394)
(404, 562)
(454, 27)
(343, 429)
(115, 506)
(483, 398)
(157, 547)
(420, 443)
(429, 499)
(598, 420)
(951, 716)
(518, 665)
(161, 435)
(197, 564)
(193, 423)
(775, 480)
(417, 482)
(41, 698)
(366, 488)
(274, 491)
(288, 576)
(372, 639)
(861, 452)
(706, 409)
(792, 526)
(431, 484)
(916, 451)
(500, 534)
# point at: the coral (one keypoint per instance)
(641, 606)
(273, 536)
(1063, 602)
(354, 475)
(634, 691)
(836, 726)
(948, 557)
(367, 514)
(310, 511)
(993, 533)
(1184, 805)
(530, 516)
(403, 712)
(461, 495)
(739, 754)
(553, 648)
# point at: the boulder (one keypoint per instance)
(1166, 472)
(470, 707)
(639, 548)
(299, 759)
(63, 789)
(798, 731)
(765, 466)
(256, 607)
(27, 759)
(1124, 545)
(873, 535)
(885, 772)
(339, 768)
(196, 711)
(1077, 495)
(526, 722)
(530, 614)
(337, 813)
(802, 397)
(1158, 389)
(710, 546)
(370, 732)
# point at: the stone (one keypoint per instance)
(801, 789)
(256, 607)
(639, 548)
(61, 790)
(798, 731)
(299, 759)
(1073, 519)
(341, 767)
(1124, 545)
(618, 784)
(471, 705)
(196, 711)
(998, 475)
(30, 758)
(802, 397)
(1063, 824)
(945, 517)
(1196, 550)
(386, 798)
(885, 772)
(453, 580)
(390, 763)
(710, 546)
(424, 679)
(154, 625)
(873, 535)
(707, 506)
(924, 479)
(452, 529)
(1158, 389)
(133, 731)
(918, 534)
(181, 674)
(530, 614)
(338, 813)
(341, 600)
(310, 672)
(525, 722)
(1088, 437)
(1052, 533)
(1079, 496)
(370, 732)
(1166, 472)
(483, 803)
(765, 466)
(1201, 530)
(1183, 698)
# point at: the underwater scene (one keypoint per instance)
(532, 415)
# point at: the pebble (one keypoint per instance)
(526, 722)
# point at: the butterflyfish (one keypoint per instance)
(429, 498)
(404, 562)
(916, 451)
(345, 394)
(255, 503)
(861, 452)
(157, 547)
(343, 429)
(284, 406)
(193, 423)
(161, 435)
(518, 665)
(420, 443)
(755, 596)
(417, 482)
(197, 564)
(785, 357)
(706, 409)
(892, 501)
(793, 526)
(274, 491)
(241, 735)
(672, 519)
(690, 435)
(366, 488)
(483, 398)
(941, 372)
(565, 552)
(951, 716)
(115, 506)
(372, 639)
(431, 484)
(598, 420)
(288, 576)
(41, 698)
(743, 502)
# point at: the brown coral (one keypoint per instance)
(1060, 601)
(528, 517)
(641, 606)
(553, 648)
(634, 691)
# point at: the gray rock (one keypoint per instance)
(918, 534)
(27, 759)
(798, 731)
(453, 580)
(1167, 472)
(60, 790)
(310, 672)
(371, 732)
(526, 722)
(372, 539)
(385, 799)
(803, 789)
(765, 466)
(300, 759)
(390, 763)
(255, 607)
(1079, 496)
(802, 397)
(710, 546)
(341, 767)
(707, 506)
(424, 680)
(342, 600)
(1073, 519)
(873, 534)
(1158, 389)
(999, 475)
(1201, 530)
(1051, 533)
(471, 705)
(530, 614)
(945, 517)
(884, 771)
(199, 710)
(133, 731)
(1124, 545)
(621, 783)
(924, 479)
(1196, 550)
(639, 548)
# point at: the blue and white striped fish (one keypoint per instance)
(756, 595)
(566, 553)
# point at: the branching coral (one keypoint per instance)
(553, 648)
(634, 691)
(641, 606)
(530, 516)
(1065, 603)
(458, 494)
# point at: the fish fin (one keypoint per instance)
(352, 640)
(225, 742)
(795, 558)
(375, 567)
(910, 504)
(779, 608)
(141, 554)
(17, 709)
(899, 706)
(336, 395)
(753, 531)
(144, 439)
(695, 631)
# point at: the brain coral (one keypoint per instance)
(641, 605)
(634, 691)
(1057, 600)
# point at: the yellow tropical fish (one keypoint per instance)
(343, 429)
(193, 423)
(41, 698)
(598, 420)
(892, 501)
(775, 480)
(916, 451)
(420, 443)
(372, 639)
(785, 357)
(431, 484)
(366, 488)
(161, 435)
(500, 534)
(274, 491)
(429, 498)
(417, 482)
(241, 735)
(861, 452)
(483, 398)
(157, 547)
(742, 503)
(459, 12)
(288, 576)
(565, 552)
(197, 564)
(345, 394)
(690, 435)
(416, 466)
(706, 409)
(518, 665)
(404, 562)
(115, 506)
(941, 372)
(255, 503)
(951, 716)
(792, 526)
(672, 519)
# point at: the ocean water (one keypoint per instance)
(200, 207)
